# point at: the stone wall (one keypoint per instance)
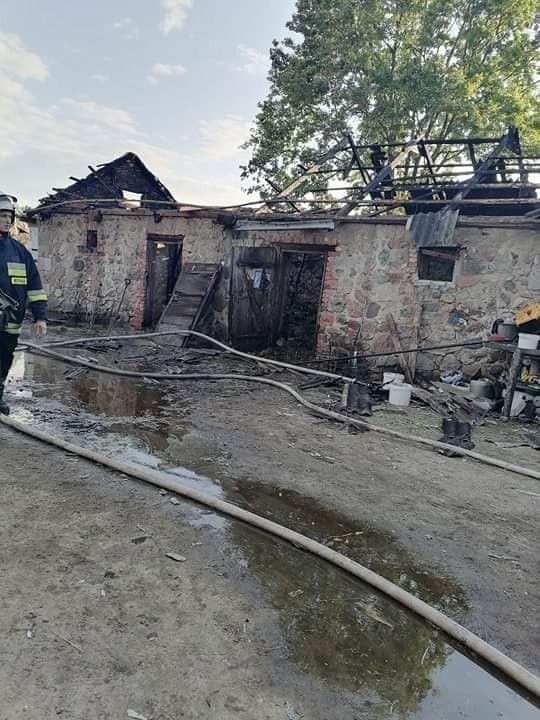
(87, 285)
(373, 272)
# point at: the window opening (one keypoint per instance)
(437, 263)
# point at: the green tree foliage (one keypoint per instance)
(387, 69)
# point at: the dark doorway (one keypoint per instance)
(302, 281)
(163, 265)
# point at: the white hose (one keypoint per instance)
(497, 660)
(207, 338)
(312, 407)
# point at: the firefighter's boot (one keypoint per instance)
(4, 407)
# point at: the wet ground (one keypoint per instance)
(331, 646)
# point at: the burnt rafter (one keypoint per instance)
(437, 228)
(383, 175)
(474, 176)
(306, 174)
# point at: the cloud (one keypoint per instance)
(175, 14)
(19, 116)
(252, 61)
(162, 70)
(91, 113)
(127, 27)
(98, 77)
(42, 147)
(19, 62)
(221, 139)
(43, 144)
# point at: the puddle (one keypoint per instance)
(352, 638)
(362, 542)
(334, 629)
(123, 417)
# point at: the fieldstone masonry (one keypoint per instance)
(371, 271)
(87, 284)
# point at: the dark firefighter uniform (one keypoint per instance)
(20, 285)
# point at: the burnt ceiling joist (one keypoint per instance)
(467, 175)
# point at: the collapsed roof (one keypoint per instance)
(419, 175)
(125, 178)
(431, 181)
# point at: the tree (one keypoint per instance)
(387, 69)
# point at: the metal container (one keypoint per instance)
(480, 388)
(508, 331)
(449, 427)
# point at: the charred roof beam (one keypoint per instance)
(383, 174)
(312, 170)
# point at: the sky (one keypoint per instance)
(175, 81)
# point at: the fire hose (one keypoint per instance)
(494, 658)
(312, 407)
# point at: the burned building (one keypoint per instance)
(125, 179)
(428, 242)
(108, 250)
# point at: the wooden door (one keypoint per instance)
(254, 307)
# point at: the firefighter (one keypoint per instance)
(19, 284)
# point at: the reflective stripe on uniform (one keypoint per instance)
(16, 280)
(13, 329)
(16, 269)
(36, 295)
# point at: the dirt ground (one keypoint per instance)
(457, 516)
(96, 616)
(96, 620)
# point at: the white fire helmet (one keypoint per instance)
(7, 202)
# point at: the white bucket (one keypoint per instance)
(390, 377)
(518, 403)
(400, 394)
(528, 341)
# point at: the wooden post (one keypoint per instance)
(417, 321)
(399, 347)
(513, 376)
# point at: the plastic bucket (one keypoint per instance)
(479, 388)
(390, 377)
(400, 394)
(528, 341)
(518, 403)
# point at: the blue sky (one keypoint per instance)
(176, 81)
